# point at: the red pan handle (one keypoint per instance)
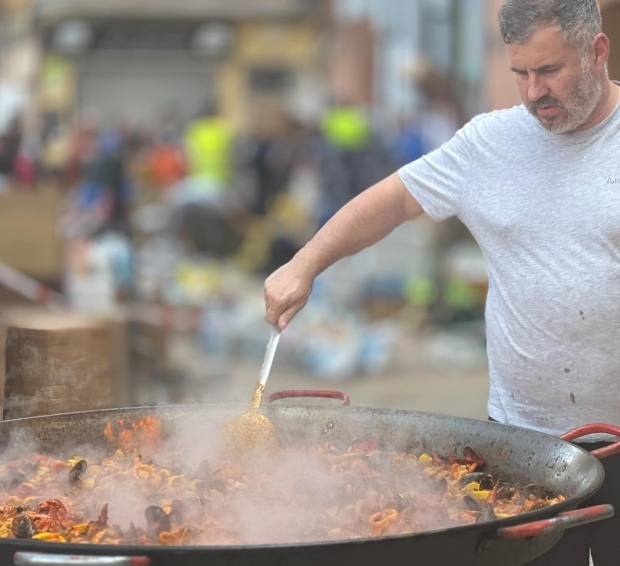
(320, 394)
(597, 428)
(41, 559)
(561, 522)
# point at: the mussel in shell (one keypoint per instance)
(76, 472)
(154, 514)
(157, 519)
(22, 526)
(485, 480)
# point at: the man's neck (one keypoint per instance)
(609, 101)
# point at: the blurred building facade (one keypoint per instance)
(135, 58)
(448, 34)
(137, 61)
(18, 58)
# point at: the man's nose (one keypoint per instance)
(536, 89)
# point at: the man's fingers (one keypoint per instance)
(273, 315)
(288, 315)
(281, 313)
(276, 313)
(277, 305)
(284, 298)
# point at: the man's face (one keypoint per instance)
(559, 88)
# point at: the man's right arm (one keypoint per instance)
(364, 221)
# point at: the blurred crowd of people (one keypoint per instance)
(221, 184)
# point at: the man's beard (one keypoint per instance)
(582, 101)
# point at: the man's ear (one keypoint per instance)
(601, 51)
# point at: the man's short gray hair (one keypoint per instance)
(579, 20)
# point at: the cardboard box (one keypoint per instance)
(29, 238)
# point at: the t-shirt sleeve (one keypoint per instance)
(438, 179)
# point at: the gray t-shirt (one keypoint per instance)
(545, 210)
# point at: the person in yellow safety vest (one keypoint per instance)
(346, 128)
(209, 147)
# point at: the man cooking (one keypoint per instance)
(535, 186)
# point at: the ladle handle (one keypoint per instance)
(319, 394)
(42, 559)
(596, 428)
(269, 355)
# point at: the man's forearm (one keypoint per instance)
(364, 221)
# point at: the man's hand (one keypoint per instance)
(286, 292)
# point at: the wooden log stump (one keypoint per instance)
(55, 366)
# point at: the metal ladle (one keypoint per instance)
(251, 428)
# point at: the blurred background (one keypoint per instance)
(158, 159)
